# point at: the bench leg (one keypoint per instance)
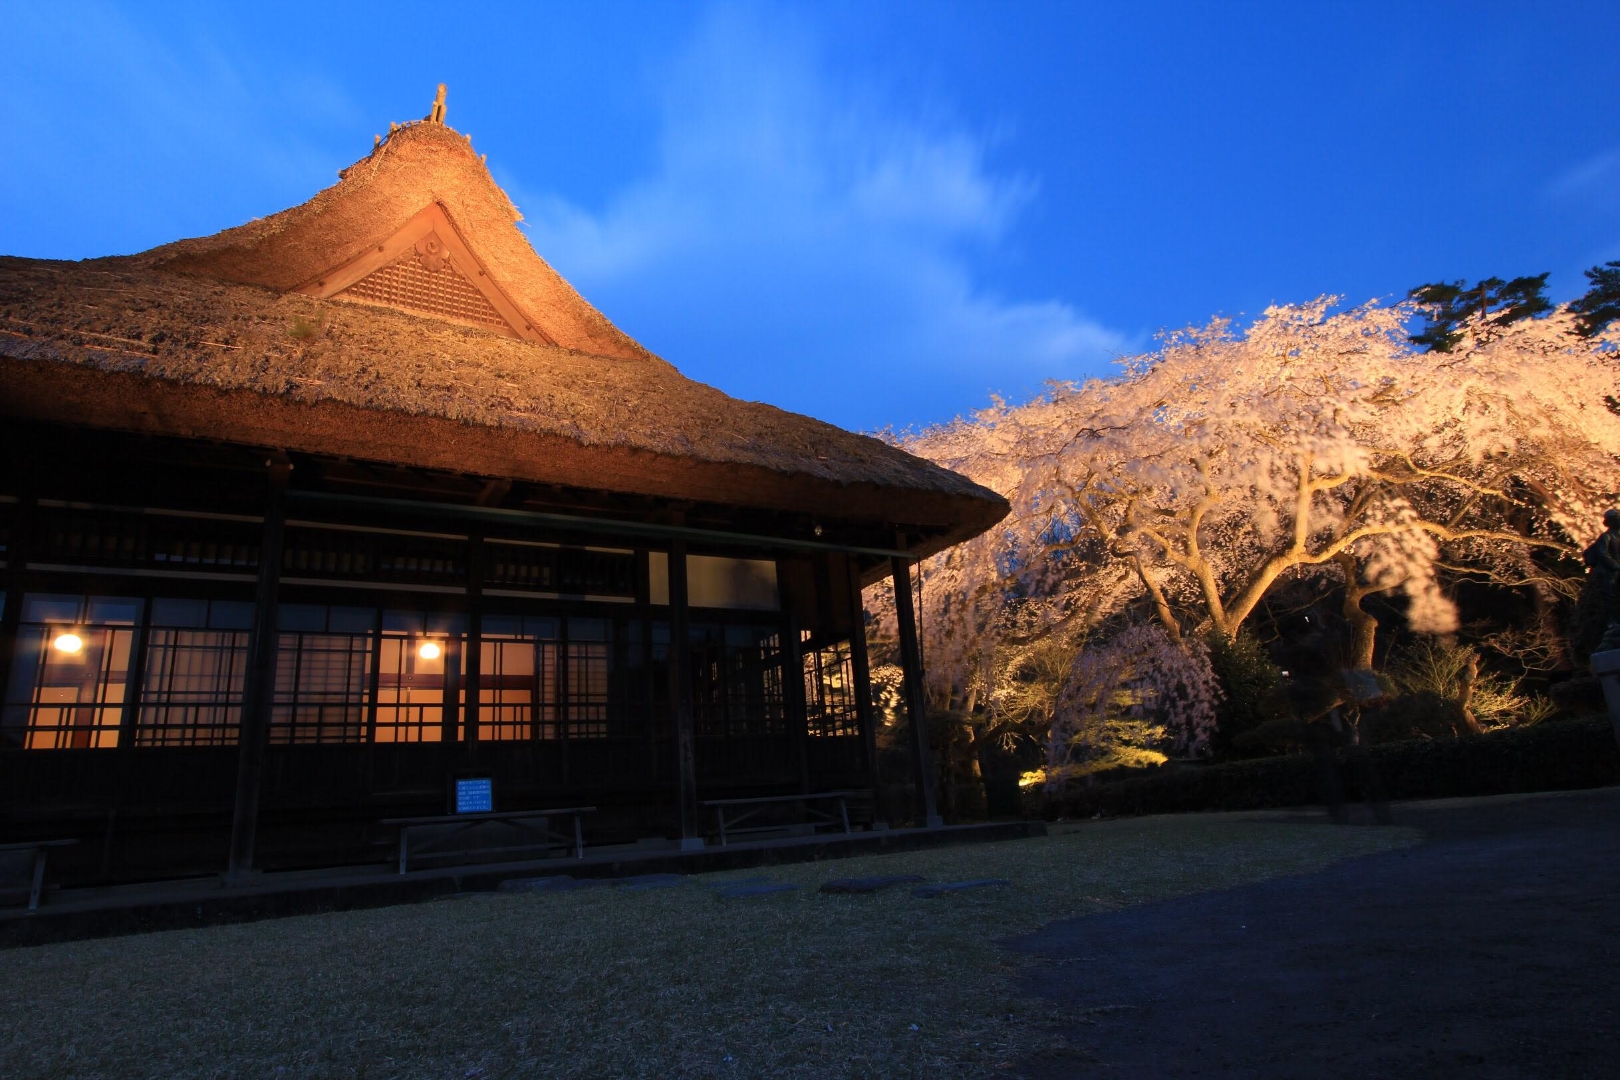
(843, 812)
(720, 813)
(404, 831)
(39, 878)
(579, 839)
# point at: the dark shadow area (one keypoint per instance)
(1487, 950)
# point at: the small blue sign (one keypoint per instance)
(475, 796)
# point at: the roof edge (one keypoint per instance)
(52, 392)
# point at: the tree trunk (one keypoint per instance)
(1551, 626)
(1469, 678)
(1363, 627)
(1547, 620)
(1161, 606)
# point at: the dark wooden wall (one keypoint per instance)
(152, 812)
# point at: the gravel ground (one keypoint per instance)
(1488, 950)
(702, 977)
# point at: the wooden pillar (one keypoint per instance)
(564, 713)
(794, 702)
(646, 694)
(450, 696)
(680, 698)
(134, 680)
(472, 683)
(259, 684)
(916, 711)
(861, 671)
(17, 544)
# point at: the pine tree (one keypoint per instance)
(1492, 302)
(1601, 304)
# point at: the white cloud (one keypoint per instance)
(1595, 175)
(804, 241)
(1590, 190)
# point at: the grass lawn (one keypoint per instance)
(608, 982)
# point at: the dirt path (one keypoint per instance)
(1492, 949)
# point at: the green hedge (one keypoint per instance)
(1552, 756)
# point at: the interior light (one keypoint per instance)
(428, 650)
(68, 642)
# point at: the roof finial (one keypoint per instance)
(437, 115)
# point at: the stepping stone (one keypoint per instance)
(926, 891)
(649, 881)
(737, 892)
(732, 883)
(553, 883)
(869, 884)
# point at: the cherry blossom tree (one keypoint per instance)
(1315, 444)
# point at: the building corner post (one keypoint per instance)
(916, 711)
(861, 672)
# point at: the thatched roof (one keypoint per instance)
(210, 338)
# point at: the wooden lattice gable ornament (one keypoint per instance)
(427, 268)
(418, 225)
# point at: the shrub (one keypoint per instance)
(1434, 668)
(1249, 681)
(1418, 714)
(1579, 695)
(1552, 756)
(1280, 735)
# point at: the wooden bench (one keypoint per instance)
(41, 851)
(461, 823)
(765, 802)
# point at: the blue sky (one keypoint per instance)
(876, 213)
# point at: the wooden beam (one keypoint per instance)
(916, 710)
(495, 492)
(495, 516)
(259, 684)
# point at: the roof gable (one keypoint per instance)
(423, 178)
(426, 267)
